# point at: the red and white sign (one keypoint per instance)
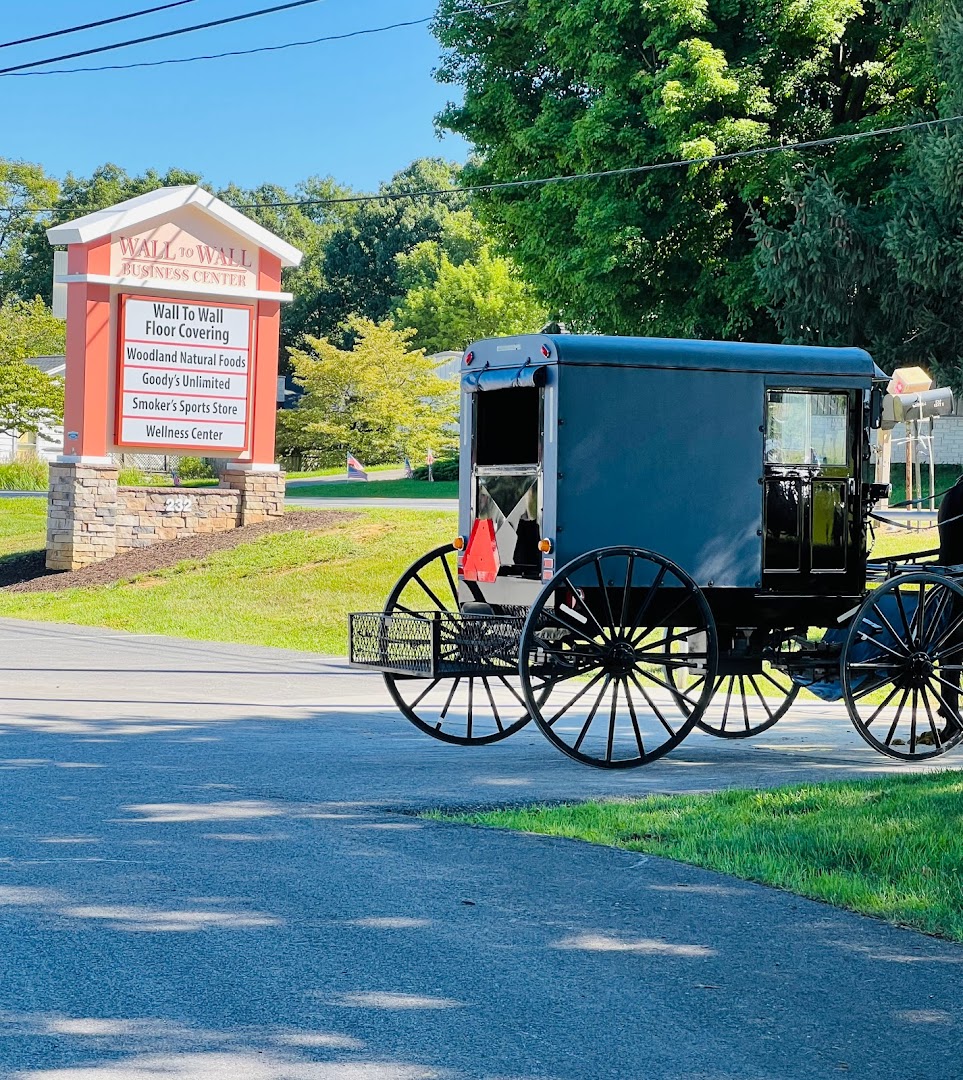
(198, 255)
(184, 374)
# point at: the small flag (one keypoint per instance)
(409, 471)
(355, 469)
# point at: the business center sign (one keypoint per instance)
(184, 375)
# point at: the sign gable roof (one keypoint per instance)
(163, 202)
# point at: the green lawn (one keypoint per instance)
(292, 590)
(378, 489)
(23, 525)
(891, 847)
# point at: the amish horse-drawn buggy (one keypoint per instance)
(660, 535)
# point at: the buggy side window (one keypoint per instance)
(806, 505)
(806, 428)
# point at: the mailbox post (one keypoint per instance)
(173, 322)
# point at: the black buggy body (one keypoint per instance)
(656, 535)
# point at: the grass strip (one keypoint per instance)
(376, 489)
(890, 847)
(292, 590)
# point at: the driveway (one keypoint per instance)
(209, 869)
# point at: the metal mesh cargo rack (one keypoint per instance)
(431, 644)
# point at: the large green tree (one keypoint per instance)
(380, 400)
(30, 400)
(924, 235)
(881, 271)
(478, 298)
(571, 86)
(25, 191)
(360, 268)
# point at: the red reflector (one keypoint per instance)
(469, 356)
(546, 351)
(481, 555)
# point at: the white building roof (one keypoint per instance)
(162, 203)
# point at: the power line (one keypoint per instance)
(92, 25)
(249, 52)
(630, 170)
(164, 34)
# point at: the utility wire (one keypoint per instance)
(248, 52)
(161, 36)
(631, 170)
(92, 25)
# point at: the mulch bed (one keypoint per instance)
(27, 573)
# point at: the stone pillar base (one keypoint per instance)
(262, 493)
(81, 514)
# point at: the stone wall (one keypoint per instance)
(90, 519)
(81, 514)
(147, 516)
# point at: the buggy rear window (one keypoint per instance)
(507, 427)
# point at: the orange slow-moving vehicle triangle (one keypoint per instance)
(481, 555)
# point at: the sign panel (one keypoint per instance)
(192, 253)
(184, 375)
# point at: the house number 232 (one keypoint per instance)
(178, 504)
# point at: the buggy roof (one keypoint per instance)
(695, 355)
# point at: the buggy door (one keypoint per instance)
(507, 473)
(810, 491)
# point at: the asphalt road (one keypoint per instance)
(207, 872)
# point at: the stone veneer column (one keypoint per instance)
(261, 488)
(81, 513)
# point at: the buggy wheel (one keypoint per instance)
(594, 657)
(468, 710)
(740, 707)
(900, 666)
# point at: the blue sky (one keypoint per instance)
(358, 110)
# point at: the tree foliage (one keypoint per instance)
(30, 400)
(882, 272)
(467, 301)
(380, 400)
(360, 265)
(570, 86)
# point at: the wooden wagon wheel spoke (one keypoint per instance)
(761, 697)
(650, 594)
(464, 707)
(578, 631)
(889, 626)
(907, 668)
(953, 629)
(603, 589)
(909, 639)
(617, 709)
(937, 616)
(889, 697)
(899, 712)
(592, 712)
(634, 718)
(934, 731)
(627, 591)
(585, 689)
(652, 705)
(865, 691)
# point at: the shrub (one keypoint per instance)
(26, 474)
(446, 469)
(128, 476)
(193, 468)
